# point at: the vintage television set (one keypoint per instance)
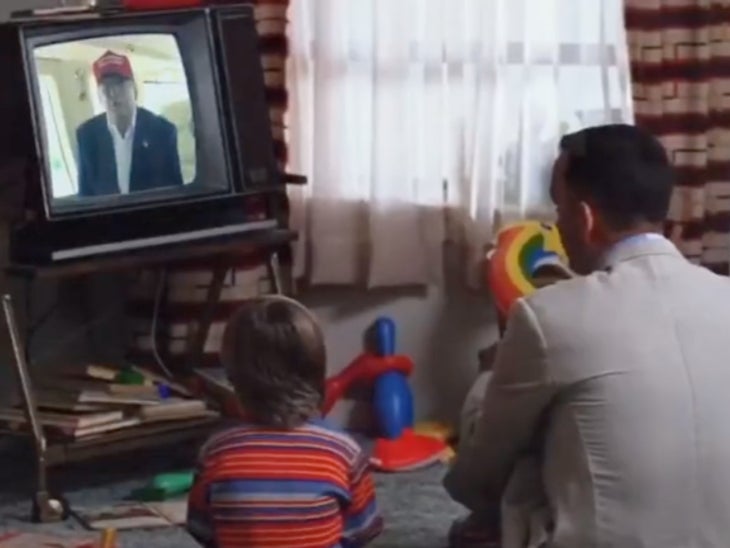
(128, 130)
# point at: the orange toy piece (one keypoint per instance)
(410, 451)
(109, 538)
(521, 249)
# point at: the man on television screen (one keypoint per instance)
(127, 148)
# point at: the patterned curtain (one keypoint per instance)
(187, 285)
(679, 51)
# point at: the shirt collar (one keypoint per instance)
(130, 129)
(648, 243)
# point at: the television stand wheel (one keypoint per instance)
(48, 509)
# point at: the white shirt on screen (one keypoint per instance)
(123, 145)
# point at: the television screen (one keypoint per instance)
(127, 118)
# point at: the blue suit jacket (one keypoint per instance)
(155, 159)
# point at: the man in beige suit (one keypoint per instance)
(617, 381)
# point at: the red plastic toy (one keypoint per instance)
(363, 370)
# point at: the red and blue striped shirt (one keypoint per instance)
(309, 487)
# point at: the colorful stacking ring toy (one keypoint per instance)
(521, 249)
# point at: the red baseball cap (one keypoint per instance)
(112, 64)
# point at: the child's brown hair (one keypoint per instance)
(274, 354)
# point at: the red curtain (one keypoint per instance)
(680, 58)
(271, 23)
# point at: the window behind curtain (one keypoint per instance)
(60, 153)
(424, 121)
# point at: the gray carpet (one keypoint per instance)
(414, 505)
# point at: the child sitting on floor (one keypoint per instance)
(522, 519)
(284, 478)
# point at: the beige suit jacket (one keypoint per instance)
(621, 382)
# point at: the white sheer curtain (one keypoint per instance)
(422, 121)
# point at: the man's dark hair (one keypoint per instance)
(273, 352)
(621, 170)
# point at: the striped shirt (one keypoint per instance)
(308, 487)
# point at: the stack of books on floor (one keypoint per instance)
(96, 399)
